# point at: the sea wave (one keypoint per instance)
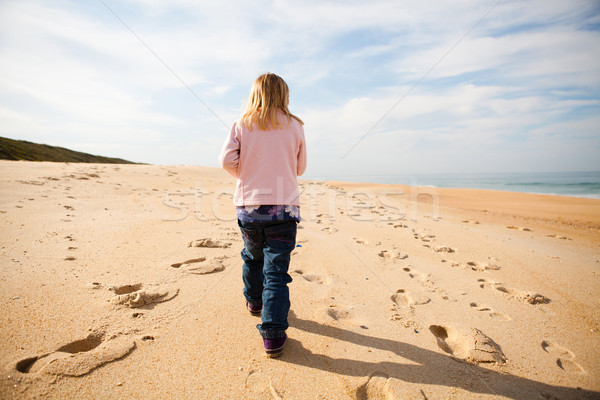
(595, 185)
(585, 184)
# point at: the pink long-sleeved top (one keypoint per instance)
(266, 163)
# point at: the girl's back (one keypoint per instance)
(269, 162)
(266, 148)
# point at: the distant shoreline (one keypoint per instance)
(577, 184)
(582, 184)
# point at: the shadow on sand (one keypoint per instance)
(433, 368)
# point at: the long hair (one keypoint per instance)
(269, 97)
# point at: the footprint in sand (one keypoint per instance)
(199, 267)
(481, 267)
(423, 236)
(329, 229)
(559, 237)
(136, 295)
(444, 249)
(338, 313)
(315, 278)
(468, 344)
(391, 254)
(403, 308)
(36, 183)
(529, 297)
(79, 357)
(403, 297)
(404, 314)
(361, 241)
(207, 242)
(565, 358)
(377, 386)
(261, 386)
(518, 228)
(490, 312)
(489, 265)
(416, 275)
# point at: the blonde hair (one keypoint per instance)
(269, 96)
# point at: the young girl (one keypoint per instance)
(266, 151)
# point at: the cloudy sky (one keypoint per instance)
(383, 86)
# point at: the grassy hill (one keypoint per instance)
(21, 150)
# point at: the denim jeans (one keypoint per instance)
(266, 255)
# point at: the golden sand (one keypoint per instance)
(124, 281)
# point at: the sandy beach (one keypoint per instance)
(124, 281)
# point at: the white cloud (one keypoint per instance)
(458, 128)
(75, 73)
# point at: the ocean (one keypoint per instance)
(577, 184)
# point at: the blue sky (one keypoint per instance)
(520, 92)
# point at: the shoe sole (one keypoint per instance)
(255, 313)
(275, 353)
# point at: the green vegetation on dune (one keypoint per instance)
(22, 150)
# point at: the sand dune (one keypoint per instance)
(124, 281)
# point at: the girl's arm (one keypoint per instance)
(229, 159)
(301, 155)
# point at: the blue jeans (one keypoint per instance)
(266, 255)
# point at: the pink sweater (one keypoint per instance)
(265, 163)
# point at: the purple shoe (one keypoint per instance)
(274, 347)
(254, 310)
